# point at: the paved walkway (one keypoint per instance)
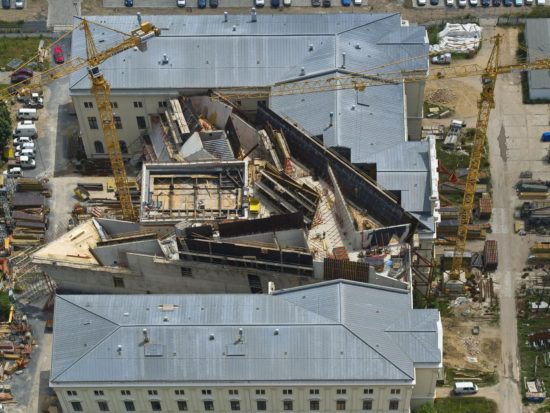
(61, 13)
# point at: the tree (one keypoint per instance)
(5, 125)
(427, 408)
(5, 305)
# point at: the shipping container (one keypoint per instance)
(490, 255)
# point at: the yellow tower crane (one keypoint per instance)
(101, 90)
(360, 81)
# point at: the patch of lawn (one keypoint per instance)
(465, 405)
(23, 48)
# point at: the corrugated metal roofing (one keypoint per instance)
(338, 330)
(537, 33)
(205, 52)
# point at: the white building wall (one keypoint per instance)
(246, 395)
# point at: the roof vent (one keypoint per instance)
(253, 16)
(165, 319)
(331, 114)
(343, 60)
(352, 107)
(276, 332)
(126, 314)
(303, 71)
(234, 28)
(119, 349)
(145, 336)
(138, 14)
(211, 337)
(310, 47)
(271, 285)
(357, 46)
(164, 59)
(225, 17)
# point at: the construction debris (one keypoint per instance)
(458, 38)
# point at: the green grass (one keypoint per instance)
(465, 405)
(452, 160)
(486, 378)
(23, 48)
(532, 323)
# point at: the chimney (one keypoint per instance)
(145, 336)
(303, 71)
(225, 17)
(343, 60)
(270, 287)
(331, 117)
(139, 17)
(253, 15)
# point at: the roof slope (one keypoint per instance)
(337, 330)
(205, 52)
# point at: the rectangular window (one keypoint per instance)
(141, 122)
(118, 122)
(130, 407)
(118, 282)
(182, 405)
(367, 404)
(261, 405)
(206, 392)
(103, 406)
(179, 392)
(395, 391)
(287, 405)
(186, 272)
(340, 391)
(98, 392)
(155, 406)
(314, 405)
(71, 393)
(313, 391)
(260, 391)
(125, 392)
(234, 392)
(88, 105)
(235, 405)
(368, 391)
(114, 105)
(77, 406)
(287, 391)
(138, 104)
(163, 104)
(152, 392)
(394, 404)
(340, 405)
(92, 122)
(255, 284)
(208, 405)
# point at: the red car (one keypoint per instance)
(58, 54)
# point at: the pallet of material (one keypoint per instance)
(532, 195)
(22, 200)
(29, 184)
(18, 232)
(30, 224)
(541, 247)
(25, 243)
(23, 216)
(90, 186)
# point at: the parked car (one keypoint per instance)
(275, 4)
(287, 3)
(180, 3)
(464, 387)
(58, 54)
(434, 2)
(23, 71)
(326, 3)
(18, 78)
(21, 140)
(462, 3)
(315, 3)
(485, 3)
(473, 3)
(518, 3)
(201, 4)
(6, 4)
(541, 2)
(346, 3)
(19, 4)
(259, 3)
(357, 2)
(129, 3)
(507, 3)
(214, 3)
(496, 3)
(421, 3)
(528, 2)
(449, 3)
(15, 171)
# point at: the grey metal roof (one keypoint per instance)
(537, 33)
(206, 52)
(333, 331)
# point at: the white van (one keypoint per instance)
(464, 387)
(15, 171)
(27, 163)
(27, 114)
(23, 129)
(25, 145)
(25, 152)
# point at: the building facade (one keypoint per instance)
(537, 36)
(333, 346)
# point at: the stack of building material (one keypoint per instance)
(458, 38)
(485, 207)
(490, 255)
(27, 200)
(29, 214)
(540, 252)
(450, 228)
(532, 190)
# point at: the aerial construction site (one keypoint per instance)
(300, 188)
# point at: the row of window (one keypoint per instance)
(231, 392)
(137, 104)
(93, 124)
(98, 147)
(235, 405)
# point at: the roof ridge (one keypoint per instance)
(92, 347)
(383, 16)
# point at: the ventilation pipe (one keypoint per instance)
(234, 28)
(164, 59)
(145, 336)
(303, 71)
(331, 114)
(270, 287)
(343, 60)
(225, 17)
(138, 14)
(310, 47)
(253, 15)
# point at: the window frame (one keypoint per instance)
(235, 405)
(140, 125)
(131, 403)
(154, 409)
(317, 404)
(92, 123)
(103, 406)
(180, 404)
(391, 405)
(340, 405)
(264, 405)
(76, 403)
(210, 403)
(288, 405)
(370, 403)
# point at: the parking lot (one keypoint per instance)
(474, 5)
(231, 3)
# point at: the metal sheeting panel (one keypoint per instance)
(537, 33)
(415, 188)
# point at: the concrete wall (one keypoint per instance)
(248, 136)
(112, 255)
(424, 391)
(114, 226)
(246, 395)
(414, 92)
(214, 111)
